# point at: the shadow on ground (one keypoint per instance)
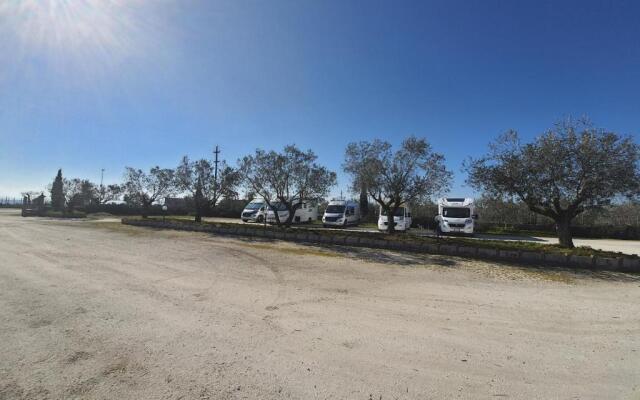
(392, 257)
(364, 253)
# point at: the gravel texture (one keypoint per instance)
(97, 310)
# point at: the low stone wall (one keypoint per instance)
(376, 241)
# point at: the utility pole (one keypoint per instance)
(215, 175)
(215, 170)
(101, 186)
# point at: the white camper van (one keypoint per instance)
(255, 211)
(307, 212)
(402, 219)
(455, 215)
(341, 213)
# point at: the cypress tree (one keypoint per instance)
(57, 193)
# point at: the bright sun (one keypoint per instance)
(69, 24)
(80, 37)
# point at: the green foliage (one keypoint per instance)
(204, 184)
(289, 178)
(57, 193)
(144, 189)
(413, 173)
(572, 168)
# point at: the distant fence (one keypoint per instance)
(10, 202)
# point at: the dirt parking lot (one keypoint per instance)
(97, 310)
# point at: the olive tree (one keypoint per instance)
(206, 185)
(79, 192)
(146, 188)
(288, 178)
(412, 173)
(358, 151)
(109, 193)
(571, 168)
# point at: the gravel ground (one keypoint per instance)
(100, 311)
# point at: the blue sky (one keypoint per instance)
(95, 84)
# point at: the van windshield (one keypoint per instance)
(456, 212)
(254, 206)
(334, 209)
(399, 212)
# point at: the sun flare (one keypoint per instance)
(76, 37)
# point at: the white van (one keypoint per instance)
(402, 219)
(456, 215)
(307, 212)
(254, 211)
(341, 213)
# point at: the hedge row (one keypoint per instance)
(223, 210)
(404, 243)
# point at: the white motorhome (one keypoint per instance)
(402, 219)
(255, 211)
(341, 213)
(456, 215)
(306, 212)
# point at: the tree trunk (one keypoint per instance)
(145, 209)
(564, 232)
(391, 221)
(199, 208)
(292, 215)
(364, 202)
(198, 201)
(277, 217)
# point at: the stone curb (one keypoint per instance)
(622, 264)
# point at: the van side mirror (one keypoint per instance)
(475, 216)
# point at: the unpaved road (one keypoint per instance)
(104, 311)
